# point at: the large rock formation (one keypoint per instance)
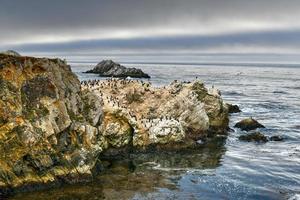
(141, 116)
(52, 128)
(47, 124)
(108, 68)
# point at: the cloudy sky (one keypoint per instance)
(143, 26)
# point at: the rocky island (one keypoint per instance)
(55, 129)
(141, 115)
(108, 68)
(10, 53)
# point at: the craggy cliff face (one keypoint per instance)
(47, 125)
(52, 128)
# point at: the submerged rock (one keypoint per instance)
(248, 124)
(259, 137)
(108, 68)
(253, 137)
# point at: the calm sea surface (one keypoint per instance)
(266, 89)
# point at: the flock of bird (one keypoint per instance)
(117, 103)
(114, 83)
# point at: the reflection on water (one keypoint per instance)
(141, 175)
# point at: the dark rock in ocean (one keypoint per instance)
(248, 124)
(108, 68)
(10, 53)
(276, 138)
(253, 137)
(233, 108)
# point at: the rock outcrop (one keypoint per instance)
(54, 129)
(139, 115)
(48, 126)
(108, 68)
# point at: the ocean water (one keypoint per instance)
(265, 88)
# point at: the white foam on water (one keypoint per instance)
(295, 197)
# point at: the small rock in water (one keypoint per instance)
(233, 108)
(248, 124)
(276, 138)
(254, 137)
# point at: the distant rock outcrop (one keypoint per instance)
(108, 68)
(10, 53)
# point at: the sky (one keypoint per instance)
(150, 26)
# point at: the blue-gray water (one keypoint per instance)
(231, 169)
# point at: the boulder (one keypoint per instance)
(108, 68)
(248, 124)
(254, 137)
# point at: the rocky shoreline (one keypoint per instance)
(54, 129)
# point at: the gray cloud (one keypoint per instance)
(284, 39)
(143, 24)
